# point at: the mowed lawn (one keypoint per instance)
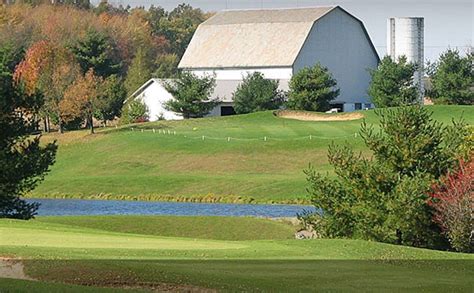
(226, 254)
(149, 165)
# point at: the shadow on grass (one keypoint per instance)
(263, 275)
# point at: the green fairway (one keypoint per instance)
(233, 163)
(98, 252)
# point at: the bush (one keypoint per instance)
(312, 89)
(384, 198)
(256, 93)
(453, 202)
(134, 112)
(392, 83)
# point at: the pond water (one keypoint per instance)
(75, 207)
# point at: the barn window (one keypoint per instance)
(358, 106)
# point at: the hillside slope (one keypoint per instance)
(247, 158)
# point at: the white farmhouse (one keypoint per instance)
(278, 43)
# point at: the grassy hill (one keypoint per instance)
(156, 252)
(263, 160)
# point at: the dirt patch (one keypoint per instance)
(12, 268)
(312, 116)
(164, 287)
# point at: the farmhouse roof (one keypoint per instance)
(251, 38)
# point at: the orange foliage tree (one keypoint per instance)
(82, 98)
(49, 70)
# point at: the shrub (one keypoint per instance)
(312, 89)
(134, 112)
(256, 93)
(453, 202)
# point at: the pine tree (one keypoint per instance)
(96, 52)
(312, 89)
(23, 160)
(139, 72)
(453, 79)
(392, 83)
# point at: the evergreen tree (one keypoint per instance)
(312, 89)
(256, 93)
(110, 103)
(23, 160)
(139, 72)
(392, 83)
(191, 95)
(95, 51)
(167, 66)
(385, 198)
(453, 79)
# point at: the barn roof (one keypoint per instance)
(251, 38)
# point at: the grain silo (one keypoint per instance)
(405, 36)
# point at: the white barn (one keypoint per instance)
(278, 43)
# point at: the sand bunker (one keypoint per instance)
(312, 116)
(12, 268)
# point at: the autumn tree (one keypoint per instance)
(82, 98)
(49, 70)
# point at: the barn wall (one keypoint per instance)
(338, 41)
(238, 74)
(154, 96)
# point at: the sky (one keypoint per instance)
(448, 23)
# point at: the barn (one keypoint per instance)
(279, 43)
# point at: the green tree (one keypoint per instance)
(385, 198)
(191, 95)
(110, 103)
(139, 71)
(23, 160)
(167, 66)
(312, 89)
(392, 83)
(95, 51)
(453, 79)
(256, 93)
(178, 26)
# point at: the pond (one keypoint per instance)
(76, 207)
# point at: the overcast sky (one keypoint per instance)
(448, 23)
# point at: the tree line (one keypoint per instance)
(101, 53)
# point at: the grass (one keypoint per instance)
(100, 252)
(217, 228)
(135, 165)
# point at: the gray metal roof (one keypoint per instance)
(251, 38)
